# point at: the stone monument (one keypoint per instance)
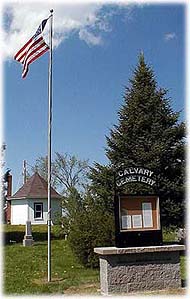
(140, 261)
(139, 269)
(28, 239)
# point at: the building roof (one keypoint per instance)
(35, 187)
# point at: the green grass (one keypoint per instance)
(183, 267)
(25, 270)
(169, 235)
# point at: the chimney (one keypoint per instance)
(9, 185)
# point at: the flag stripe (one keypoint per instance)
(32, 43)
(22, 58)
(32, 59)
(22, 49)
(24, 73)
(38, 55)
(34, 49)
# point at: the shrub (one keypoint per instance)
(91, 228)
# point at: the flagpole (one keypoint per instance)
(49, 146)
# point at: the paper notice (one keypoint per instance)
(147, 214)
(137, 221)
(126, 221)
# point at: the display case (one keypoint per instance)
(137, 220)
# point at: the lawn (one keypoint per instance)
(25, 268)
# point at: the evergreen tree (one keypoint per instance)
(149, 134)
(102, 183)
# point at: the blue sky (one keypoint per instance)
(92, 62)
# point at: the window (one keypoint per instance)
(38, 210)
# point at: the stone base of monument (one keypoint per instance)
(139, 269)
(28, 241)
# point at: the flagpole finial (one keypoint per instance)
(51, 10)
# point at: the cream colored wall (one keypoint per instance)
(18, 211)
(23, 210)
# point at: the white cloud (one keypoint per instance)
(22, 20)
(87, 20)
(170, 36)
(89, 37)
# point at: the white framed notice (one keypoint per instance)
(137, 221)
(147, 214)
(125, 222)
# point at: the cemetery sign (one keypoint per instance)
(133, 175)
(137, 215)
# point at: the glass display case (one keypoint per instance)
(137, 220)
(139, 213)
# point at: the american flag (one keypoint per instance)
(33, 49)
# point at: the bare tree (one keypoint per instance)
(41, 166)
(70, 171)
(67, 171)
